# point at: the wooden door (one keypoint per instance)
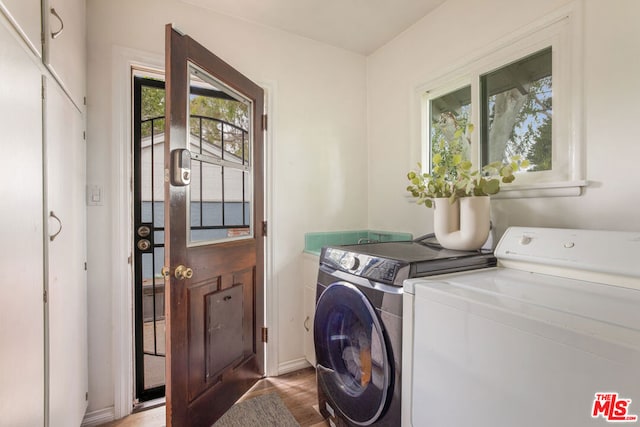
(214, 248)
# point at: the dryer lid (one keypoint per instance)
(593, 255)
(595, 309)
(520, 349)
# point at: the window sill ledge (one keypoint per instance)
(551, 189)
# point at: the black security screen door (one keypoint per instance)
(219, 207)
(148, 155)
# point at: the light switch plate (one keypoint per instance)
(94, 195)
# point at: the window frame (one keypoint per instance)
(199, 77)
(562, 32)
(426, 98)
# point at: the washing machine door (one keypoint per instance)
(354, 366)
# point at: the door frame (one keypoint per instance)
(125, 62)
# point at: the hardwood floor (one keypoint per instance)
(298, 392)
(296, 389)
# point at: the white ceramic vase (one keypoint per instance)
(463, 225)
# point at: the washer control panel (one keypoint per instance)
(612, 252)
(367, 266)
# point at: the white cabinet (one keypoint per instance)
(62, 30)
(43, 291)
(309, 276)
(25, 15)
(67, 289)
(21, 228)
(65, 45)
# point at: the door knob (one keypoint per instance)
(183, 272)
(165, 271)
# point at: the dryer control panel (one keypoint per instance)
(604, 252)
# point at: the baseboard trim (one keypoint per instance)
(101, 416)
(293, 365)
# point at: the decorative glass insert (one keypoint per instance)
(516, 108)
(221, 188)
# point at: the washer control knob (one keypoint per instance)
(349, 262)
(525, 240)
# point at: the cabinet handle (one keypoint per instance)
(55, 34)
(306, 323)
(54, 235)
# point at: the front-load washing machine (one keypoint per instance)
(358, 324)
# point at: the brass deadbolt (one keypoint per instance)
(144, 244)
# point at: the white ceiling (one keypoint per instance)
(357, 25)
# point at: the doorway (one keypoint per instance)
(148, 232)
(219, 210)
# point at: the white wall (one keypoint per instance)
(319, 150)
(456, 31)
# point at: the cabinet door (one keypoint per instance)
(65, 45)
(67, 289)
(26, 15)
(309, 311)
(309, 275)
(21, 228)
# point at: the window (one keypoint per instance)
(446, 114)
(517, 116)
(523, 97)
(220, 192)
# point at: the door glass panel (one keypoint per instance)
(220, 194)
(211, 211)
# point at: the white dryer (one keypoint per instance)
(549, 337)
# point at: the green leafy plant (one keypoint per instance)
(452, 177)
